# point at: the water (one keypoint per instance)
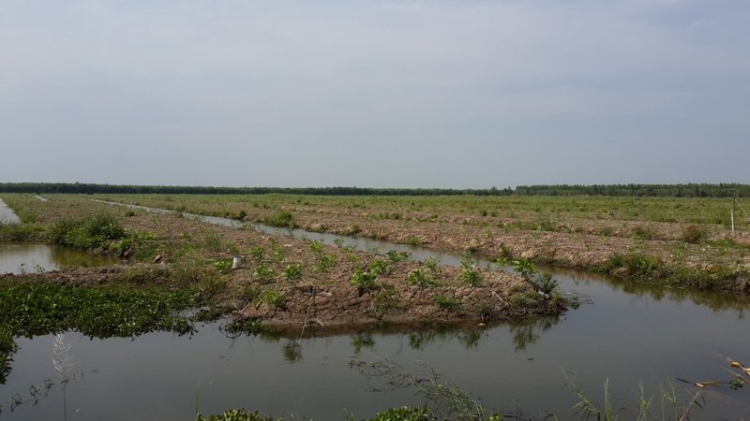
(26, 258)
(7, 216)
(629, 334)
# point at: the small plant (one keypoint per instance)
(469, 274)
(293, 272)
(257, 252)
(432, 264)
(541, 282)
(274, 298)
(324, 263)
(381, 267)
(315, 246)
(364, 281)
(397, 256)
(385, 299)
(264, 274)
(223, 266)
(419, 278)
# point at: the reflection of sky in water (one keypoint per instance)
(627, 338)
(27, 258)
(7, 216)
(631, 334)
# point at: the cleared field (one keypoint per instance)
(288, 282)
(685, 241)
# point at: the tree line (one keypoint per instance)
(638, 190)
(90, 188)
(634, 190)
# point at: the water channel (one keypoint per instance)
(626, 333)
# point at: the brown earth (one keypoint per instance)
(188, 251)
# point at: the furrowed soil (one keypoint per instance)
(684, 242)
(283, 282)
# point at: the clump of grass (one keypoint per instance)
(234, 415)
(383, 300)
(274, 298)
(17, 232)
(694, 234)
(281, 219)
(87, 233)
(257, 252)
(637, 264)
(397, 256)
(446, 303)
(315, 246)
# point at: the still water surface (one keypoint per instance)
(26, 258)
(627, 333)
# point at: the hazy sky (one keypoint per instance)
(457, 94)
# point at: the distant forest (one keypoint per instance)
(620, 190)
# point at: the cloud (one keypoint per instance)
(288, 80)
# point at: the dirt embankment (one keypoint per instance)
(719, 256)
(294, 282)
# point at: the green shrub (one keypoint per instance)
(324, 262)
(363, 280)
(469, 274)
(86, 233)
(419, 278)
(293, 272)
(264, 274)
(381, 267)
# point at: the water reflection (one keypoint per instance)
(362, 340)
(292, 351)
(715, 301)
(30, 258)
(527, 332)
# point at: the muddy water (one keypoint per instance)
(26, 258)
(628, 334)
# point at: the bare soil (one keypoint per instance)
(319, 298)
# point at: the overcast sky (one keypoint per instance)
(455, 94)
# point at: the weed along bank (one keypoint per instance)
(196, 303)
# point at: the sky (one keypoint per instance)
(398, 93)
